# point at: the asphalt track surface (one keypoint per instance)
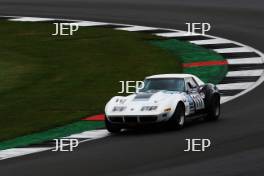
(238, 145)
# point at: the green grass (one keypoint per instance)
(47, 81)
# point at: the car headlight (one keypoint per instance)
(119, 108)
(149, 108)
(167, 110)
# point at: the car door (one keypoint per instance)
(193, 91)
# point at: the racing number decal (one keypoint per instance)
(191, 104)
(198, 101)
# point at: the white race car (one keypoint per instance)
(170, 98)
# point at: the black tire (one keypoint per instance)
(178, 118)
(213, 111)
(112, 128)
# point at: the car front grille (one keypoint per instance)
(116, 119)
(146, 119)
(133, 119)
(130, 119)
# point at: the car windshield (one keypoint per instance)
(169, 84)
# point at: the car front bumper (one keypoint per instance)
(138, 119)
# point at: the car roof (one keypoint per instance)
(170, 76)
(176, 76)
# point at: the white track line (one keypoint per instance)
(94, 134)
(31, 19)
(211, 41)
(233, 50)
(253, 60)
(245, 73)
(225, 98)
(89, 23)
(232, 86)
(136, 28)
(15, 152)
(175, 34)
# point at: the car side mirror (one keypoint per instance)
(191, 86)
(201, 88)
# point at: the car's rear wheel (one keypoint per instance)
(178, 118)
(213, 109)
(112, 128)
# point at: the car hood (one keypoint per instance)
(152, 96)
(133, 103)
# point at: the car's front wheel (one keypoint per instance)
(178, 118)
(112, 128)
